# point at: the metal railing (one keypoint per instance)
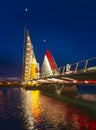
(49, 74)
(81, 66)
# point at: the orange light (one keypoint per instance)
(8, 83)
(0, 83)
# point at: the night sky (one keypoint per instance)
(68, 26)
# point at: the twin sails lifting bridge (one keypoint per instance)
(82, 72)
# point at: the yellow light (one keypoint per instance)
(35, 104)
(29, 82)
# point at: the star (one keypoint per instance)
(44, 41)
(26, 9)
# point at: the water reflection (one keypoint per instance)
(87, 93)
(26, 115)
(87, 97)
(30, 110)
(9, 112)
(62, 116)
(35, 104)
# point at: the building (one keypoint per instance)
(30, 64)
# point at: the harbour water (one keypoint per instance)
(87, 93)
(22, 109)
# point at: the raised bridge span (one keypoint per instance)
(82, 72)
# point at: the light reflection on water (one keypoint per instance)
(87, 93)
(87, 97)
(30, 110)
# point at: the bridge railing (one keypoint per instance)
(49, 74)
(81, 66)
(78, 67)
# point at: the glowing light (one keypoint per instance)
(8, 83)
(35, 104)
(74, 81)
(28, 39)
(26, 9)
(0, 83)
(26, 67)
(28, 49)
(86, 81)
(44, 41)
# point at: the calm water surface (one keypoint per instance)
(87, 93)
(30, 110)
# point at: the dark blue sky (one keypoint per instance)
(69, 28)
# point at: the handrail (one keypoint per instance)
(84, 67)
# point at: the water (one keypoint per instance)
(30, 110)
(87, 93)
